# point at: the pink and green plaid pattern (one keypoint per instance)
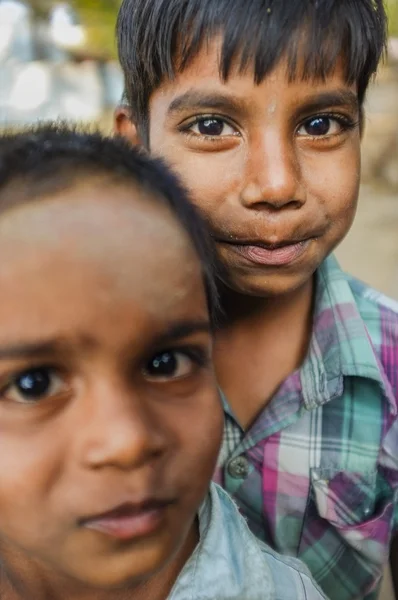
(316, 475)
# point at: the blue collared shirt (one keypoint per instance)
(230, 563)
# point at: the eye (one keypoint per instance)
(169, 365)
(33, 385)
(322, 126)
(211, 127)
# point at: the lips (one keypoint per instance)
(129, 521)
(261, 253)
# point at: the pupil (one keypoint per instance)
(165, 364)
(211, 127)
(33, 384)
(318, 126)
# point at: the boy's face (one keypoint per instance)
(109, 415)
(274, 167)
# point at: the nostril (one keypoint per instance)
(278, 205)
(295, 204)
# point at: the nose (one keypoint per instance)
(118, 428)
(272, 174)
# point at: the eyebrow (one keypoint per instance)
(182, 330)
(57, 346)
(194, 99)
(30, 349)
(336, 98)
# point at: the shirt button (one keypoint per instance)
(239, 467)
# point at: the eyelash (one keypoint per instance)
(186, 128)
(197, 354)
(10, 380)
(346, 123)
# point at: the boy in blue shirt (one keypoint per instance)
(107, 390)
(258, 106)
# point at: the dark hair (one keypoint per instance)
(51, 157)
(154, 35)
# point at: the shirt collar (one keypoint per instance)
(340, 344)
(228, 563)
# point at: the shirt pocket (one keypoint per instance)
(358, 506)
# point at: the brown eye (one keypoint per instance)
(33, 385)
(212, 127)
(169, 365)
(320, 126)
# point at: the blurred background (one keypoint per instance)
(58, 60)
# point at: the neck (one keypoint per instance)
(262, 342)
(24, 579)
(247, 311)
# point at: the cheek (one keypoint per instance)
(200, 432)
(206, 433)
(28, 467)
(206, 184)
(24, 518)
(210, 177)
(336, 185)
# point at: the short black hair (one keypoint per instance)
(154, 35)
(52, 157)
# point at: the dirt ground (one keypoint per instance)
(370, 250)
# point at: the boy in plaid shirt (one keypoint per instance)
(258, 106)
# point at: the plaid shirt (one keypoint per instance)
(316, 475)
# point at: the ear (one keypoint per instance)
(125, 126)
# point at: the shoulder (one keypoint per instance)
(380, 316)
(291, 579)
(370, 303)
(367, 323)
(374, 305)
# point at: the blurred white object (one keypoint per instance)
(16, 41)
(31, 89)
(79, 91)
(44, 90)
(65, 30)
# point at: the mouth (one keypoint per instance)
(261, 253)
(129, 521)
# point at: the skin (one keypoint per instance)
(283, 167)
(110, 428)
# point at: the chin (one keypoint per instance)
(126, 569)
(272, 286)
(274, 281)
(113, 579)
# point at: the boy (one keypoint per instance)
(258, 105)
(107, 393)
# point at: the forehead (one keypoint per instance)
(94, 252)
(203, 76)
